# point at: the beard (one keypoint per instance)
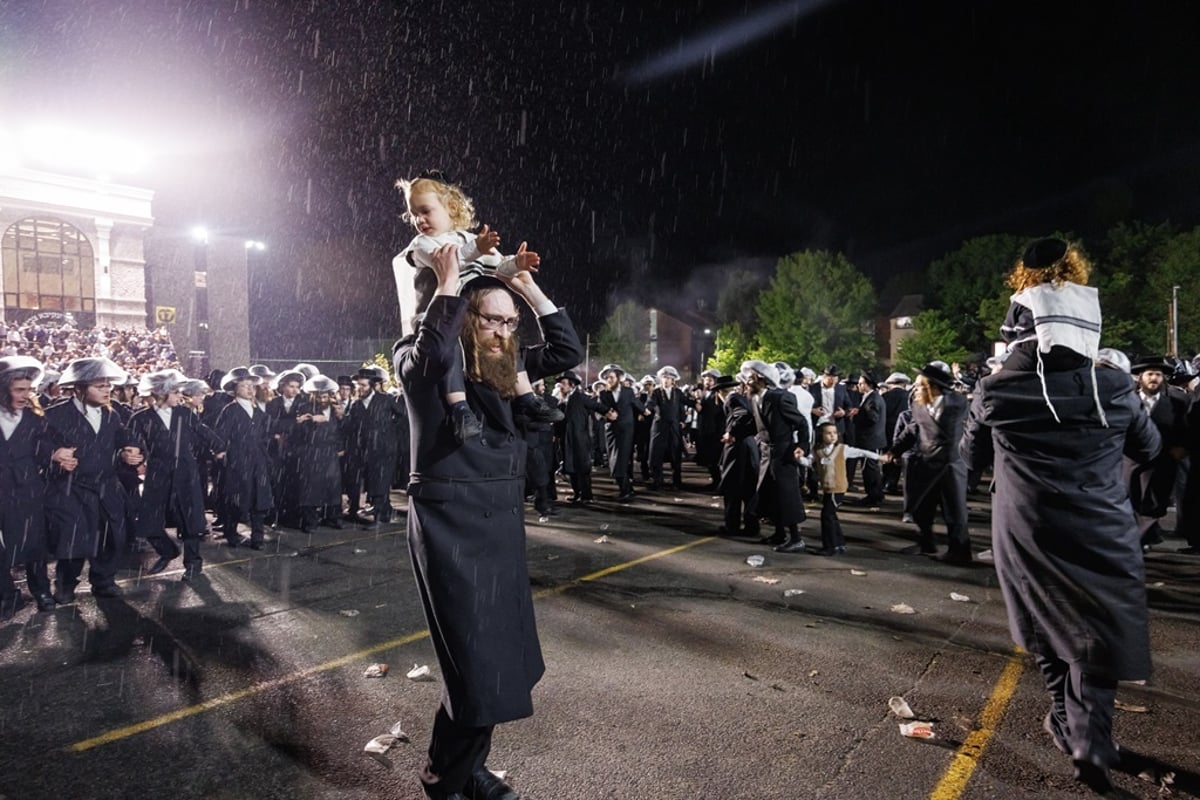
(497, 370)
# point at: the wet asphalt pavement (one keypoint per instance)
(674, 670)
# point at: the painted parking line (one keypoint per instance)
(954, 780)
(264, 686)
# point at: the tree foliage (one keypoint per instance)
(732, 345)
(934, 339)
(1131, 256)
(817, 309)
(962, 280)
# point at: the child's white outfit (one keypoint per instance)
(415, 291)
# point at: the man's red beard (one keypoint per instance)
(495, 369)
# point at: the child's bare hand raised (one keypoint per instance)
(487, 240)
(526, 260)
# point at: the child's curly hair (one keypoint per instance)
(1050, 261)
(462, 210)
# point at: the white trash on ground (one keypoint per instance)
(420, 673)
(857, 573)
(603, 540)
(349, 612)
(899, 707)
(917, 730)
(961, 598)
(792, 592)
(756, 560)
(903, 608)
(375, 671)
(380, 744)
(765, 579)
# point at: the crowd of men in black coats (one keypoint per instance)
(99, 462)
(639, 430)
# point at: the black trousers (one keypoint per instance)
(831, 526)
(581, 485)
(954, 511)
(1081, 710)
(872, 476)
(455, 751)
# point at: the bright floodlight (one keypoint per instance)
(200, 234)
(254, 245)
(98, 154)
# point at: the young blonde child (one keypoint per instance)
(443, 214)
(829, 463)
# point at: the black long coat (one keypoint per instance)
(466, 525)
(23, 491)
(1068, 554)
(81, 505)
(577, 432)
(1152, 485)
(246, 470)
(618, 433)
(171, 470)
(318, 465)
(740, 458)
(711, 424)
(870, 423)
(375, 447)
(666, 431)
(935, 442)
(785, 426)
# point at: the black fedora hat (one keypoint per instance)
(938, 374)
(724, 382)
(1154, 362)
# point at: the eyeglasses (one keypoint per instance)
(493, 323)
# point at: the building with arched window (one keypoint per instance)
(73, 248)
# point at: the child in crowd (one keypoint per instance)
(1053, 323)
(1054, 320)
(443, 214)
(829, 463)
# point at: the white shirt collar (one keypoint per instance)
(9, 420)
(247, 405)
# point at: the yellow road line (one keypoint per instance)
(263, 686)
(955, 779)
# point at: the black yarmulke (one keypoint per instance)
(1044, 253)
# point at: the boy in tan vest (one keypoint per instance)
(829, 463)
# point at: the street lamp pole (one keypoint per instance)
(199, 356)
(1175, 320)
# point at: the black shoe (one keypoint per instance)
(64, 597)
(483, 785)
(255, 545)
(1094, 776)
(106, 590)
(191, 574)
(1049, 727)
(240, 541)
(920, 550)
(956, 557)
(840, 550)
(791, 546)
(159, 565)
(465, 424)
(779, 537)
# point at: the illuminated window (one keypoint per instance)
(48, 267)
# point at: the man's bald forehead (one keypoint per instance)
(497, 302)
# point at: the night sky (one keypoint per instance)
(643, 148)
